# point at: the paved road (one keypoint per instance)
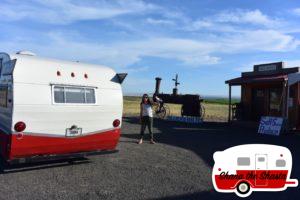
(178, 167)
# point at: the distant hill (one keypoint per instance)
(208, 99)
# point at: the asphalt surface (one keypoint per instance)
(177, 167)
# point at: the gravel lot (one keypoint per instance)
(177, 167)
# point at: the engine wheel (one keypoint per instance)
(202, 111)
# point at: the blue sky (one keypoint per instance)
(205, 42)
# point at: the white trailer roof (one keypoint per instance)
(34, 69)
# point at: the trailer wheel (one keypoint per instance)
(243, 188)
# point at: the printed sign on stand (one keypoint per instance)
(270, 125)
(186, 119)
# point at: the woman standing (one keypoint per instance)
(146, 118)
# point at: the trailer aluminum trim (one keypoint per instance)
(66, 85)
(63, 136)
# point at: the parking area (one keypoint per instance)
(177, 167)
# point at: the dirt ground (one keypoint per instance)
(177, 167)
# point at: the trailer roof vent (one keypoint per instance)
(28, 53)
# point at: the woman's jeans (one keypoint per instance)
(147, 121)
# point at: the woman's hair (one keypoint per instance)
(148, 99)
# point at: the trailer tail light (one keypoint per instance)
(19, 136)
(73, 74)
(20, 126)
(58, 73)
(116, 123)
(85, 76)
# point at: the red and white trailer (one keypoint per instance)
(253, 167)
(51, 107)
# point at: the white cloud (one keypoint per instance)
(249, 67)
(235, 21)
(159, 21)
(185, 50)
(67, 11)
(136, 69)
(190, 52)
(296, 11)
(246, 31)
(202, 24)
(246, 17)
(121, 54)
(292, 63)
(259, 40)
(207, 25)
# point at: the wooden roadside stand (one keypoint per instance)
(269, 90)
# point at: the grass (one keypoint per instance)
(215, 109)
(221, 101)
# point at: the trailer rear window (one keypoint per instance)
(76, 95)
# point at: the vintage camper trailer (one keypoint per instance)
(252, 167)
(51, 107)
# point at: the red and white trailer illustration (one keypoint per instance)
(252, 167)
(51, 107)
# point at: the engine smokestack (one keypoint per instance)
(157, 85)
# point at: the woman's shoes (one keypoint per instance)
(140, 141)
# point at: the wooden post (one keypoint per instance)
(229, 104)
(287, 100)
(285, 109)
(284, 99)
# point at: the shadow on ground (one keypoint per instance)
(209, 137)
(23, 167)
(48, 162)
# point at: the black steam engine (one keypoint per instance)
(191, 104)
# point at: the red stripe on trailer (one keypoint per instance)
(32, 145)
(290, 182)
(264, 179)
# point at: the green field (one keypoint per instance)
(222, 101)
(216, 109)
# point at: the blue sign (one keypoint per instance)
(270, 125)
(186, 119)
